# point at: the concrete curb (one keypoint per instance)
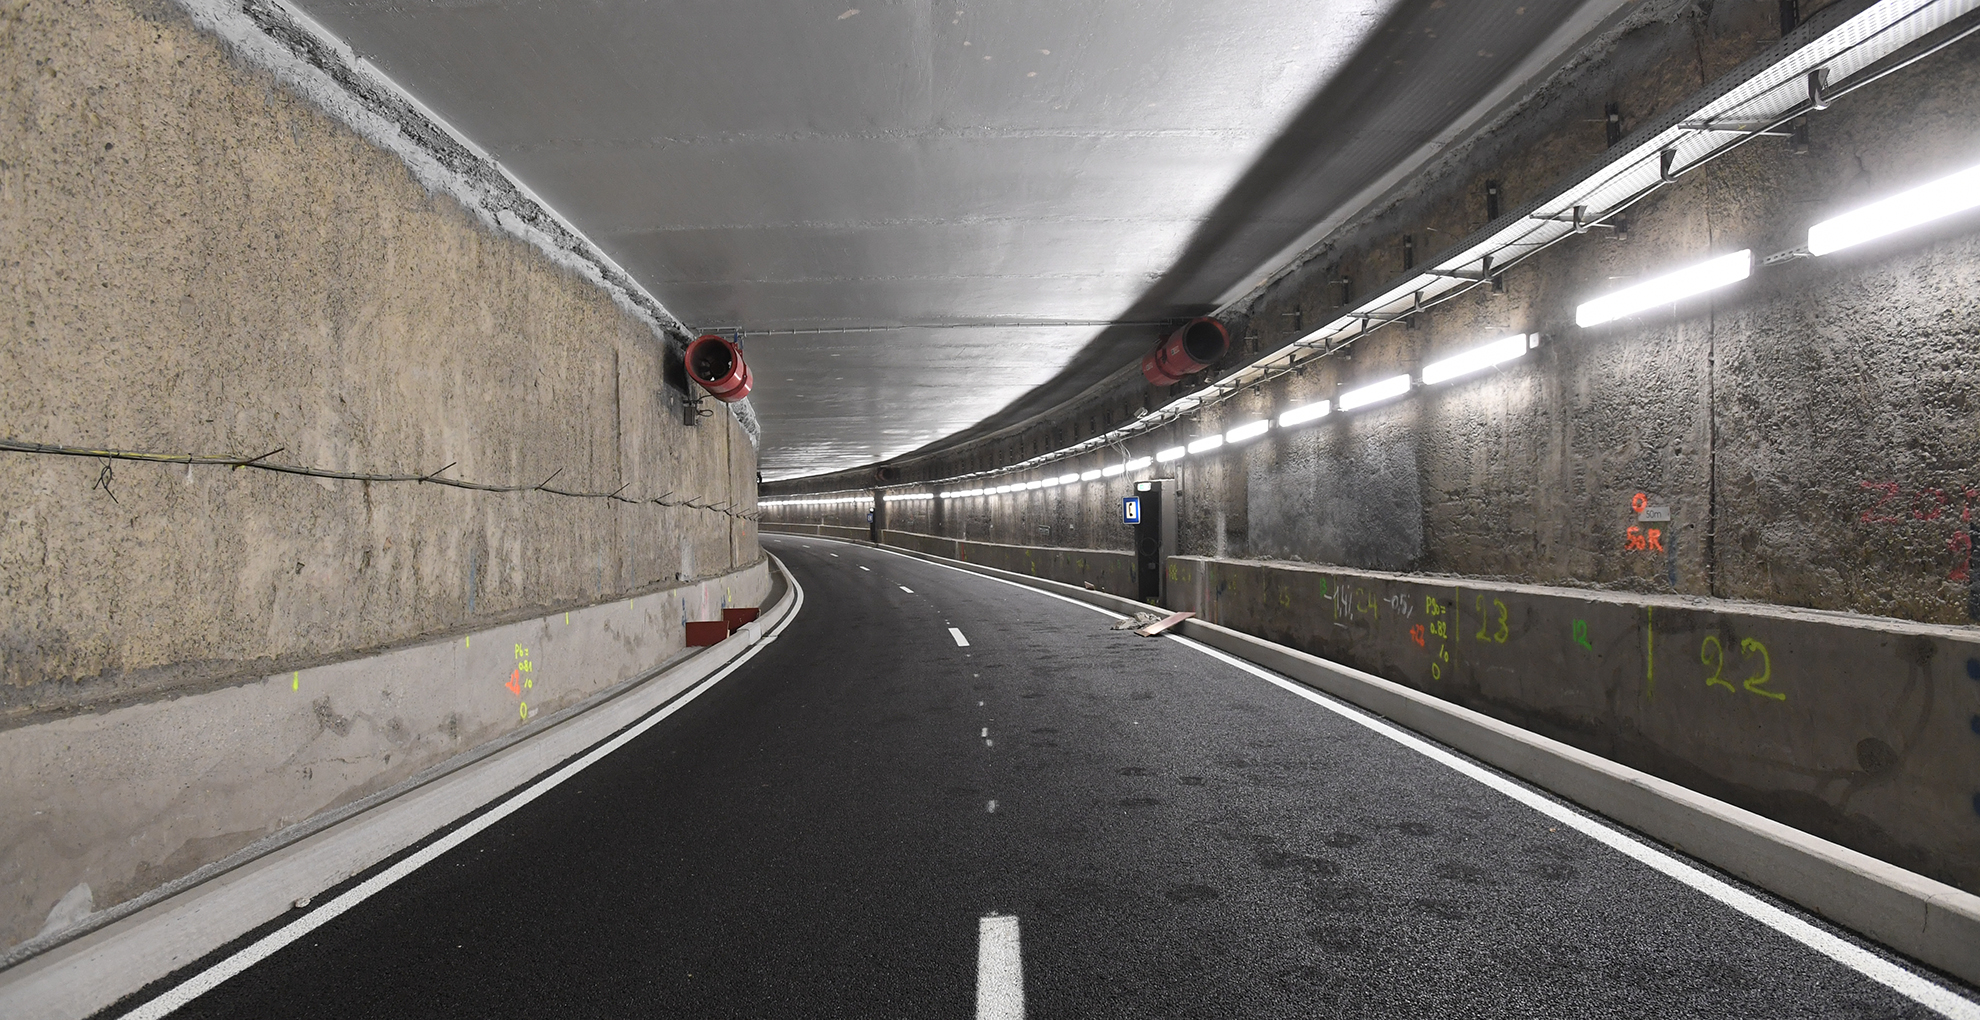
(81, 977)
(1927, 920)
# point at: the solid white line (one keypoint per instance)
(999, 969)
(1926, 993)
(268, 945)
(1929, 994)
(905, 588)
(961, 642)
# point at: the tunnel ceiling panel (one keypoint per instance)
(805, 165)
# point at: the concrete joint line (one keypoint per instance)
(1927, 920)
(83, 976)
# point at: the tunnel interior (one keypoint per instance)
(1242, 508)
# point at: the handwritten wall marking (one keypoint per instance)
(1486, 632)
(1581, 635)
(1650, 652)
(1894, 506)
(521, 679)
(1437, 626)
(1712, 653)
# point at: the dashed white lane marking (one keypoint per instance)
(1904, 982)
(905, 588)
(1870, 965)
(208, 979)
(833, 555)
(992, 808)
(866, 568)
(999, 969)
(961, 642)
(986, 729)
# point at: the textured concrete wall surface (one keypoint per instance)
(1731, 540)
(1856, 729)
(1812, 431)
(111, 804)
(197, 261)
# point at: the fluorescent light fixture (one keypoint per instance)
(1068, 479)
(1112, 470)
(1034, 485)
(1306, 413)
(1244, 432)
(1087, 476)
(1172, 453)
(1206, 443)
(1394, 386)
(1477, 359)
(1048, 483)
(1669, 288)
(1922, 204)
(1138, 463)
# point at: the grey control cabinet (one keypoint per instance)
(1154, 538)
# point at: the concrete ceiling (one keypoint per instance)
(792, 165)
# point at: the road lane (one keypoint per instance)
(823, 833)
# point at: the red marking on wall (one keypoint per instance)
(1874, 515)
(1417, 634)
(1644, 539)
(1639, 502)
(515, 683)
(1896, 506)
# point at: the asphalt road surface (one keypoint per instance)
(1158, 833)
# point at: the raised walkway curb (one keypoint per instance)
(90, 973)
(1930, 921)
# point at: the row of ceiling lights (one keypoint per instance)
(1472, 361)
(1936, 200)
(1862, 48)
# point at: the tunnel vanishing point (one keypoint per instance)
(968, 508)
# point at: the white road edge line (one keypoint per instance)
(961, 642)
(268, 945)
(1926, 993)
(999, 968)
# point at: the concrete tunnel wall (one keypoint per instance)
(198, 260)
(1813, 432)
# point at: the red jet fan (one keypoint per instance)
(717, 365)
(1187, 351)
